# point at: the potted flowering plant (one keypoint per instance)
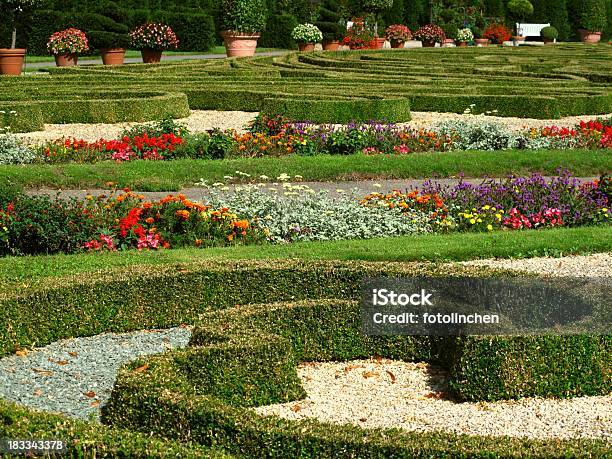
(307, 35)
(398, 35)
(11, 59)
(242, 22)
(375, 7)
(152, 39)
(429, 35)
(67, 45)
(358, 36)
(497, 33)
(464, 36)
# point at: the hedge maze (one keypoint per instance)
(246, 356)
(545, 83)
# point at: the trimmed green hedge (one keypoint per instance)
(339, 111)
(203, 393)
(100, 107)
(92, 440)
(545, 83)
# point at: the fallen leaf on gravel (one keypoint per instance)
(392, 376)
(72, 354)
(296, 408)
(90, 394)
(142, 369)
(38, 392)
(95, 403)
(363, 419)
(337, 375)
(436, 395)
(21, 352)
(351, 367)
(378, 358)
(370, 374)
(59, 362)
(42, 372)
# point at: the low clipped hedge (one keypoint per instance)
(338, 110)
(100, 107)
(92, 440)
(245, 357)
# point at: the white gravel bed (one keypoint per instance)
(391, 394)
(586, 266)
(75, 377)
(204, 120)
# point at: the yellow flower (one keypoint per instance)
(473, 221)
(490, 227)
(486, 207)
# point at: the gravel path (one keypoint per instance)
(360, 187)
(204, 120)
(392, 394)
(587, 266)
(75, 376)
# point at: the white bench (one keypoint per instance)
(529, 30)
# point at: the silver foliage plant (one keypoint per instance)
(12, 151)
(481, 134)
(296, 213)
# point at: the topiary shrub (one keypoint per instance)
(549, 33)
(331, 22)
(244, 16)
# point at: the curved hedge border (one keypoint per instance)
(97, 107)
(93, 440)
(247, 357)
(537, 82)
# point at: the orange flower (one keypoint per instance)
(184, 214)
(147, 205)
(198, 242)
(241, 224)
(150, 220)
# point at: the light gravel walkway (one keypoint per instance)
(392, 394)
(204, 120)
(585, 266)
(75, 377)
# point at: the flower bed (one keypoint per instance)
(290, 213)
(277, 136)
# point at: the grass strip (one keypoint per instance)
(174, 175)
(23, 273)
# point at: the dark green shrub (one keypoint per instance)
(195, 31)
(521, 9)
(331, 22)
(278, 32)
(244, 16)
(593, 15)
(550, 33)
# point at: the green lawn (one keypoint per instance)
(24, 272)
(173, 175)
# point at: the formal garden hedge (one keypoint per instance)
(247, 357)
(183, 395)
(532, 83)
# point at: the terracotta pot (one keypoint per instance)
(429, 44)
(66, 60)
(306, 47)
(481, 41)
(448, 41)
(462, 44)
(331, 45)
(151, 56)
(113, 56)
(11, 61)
(240, 44)
(378, 43)
(396, 44)
(589, 37)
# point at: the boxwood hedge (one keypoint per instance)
(542, 83)
(245, 357)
